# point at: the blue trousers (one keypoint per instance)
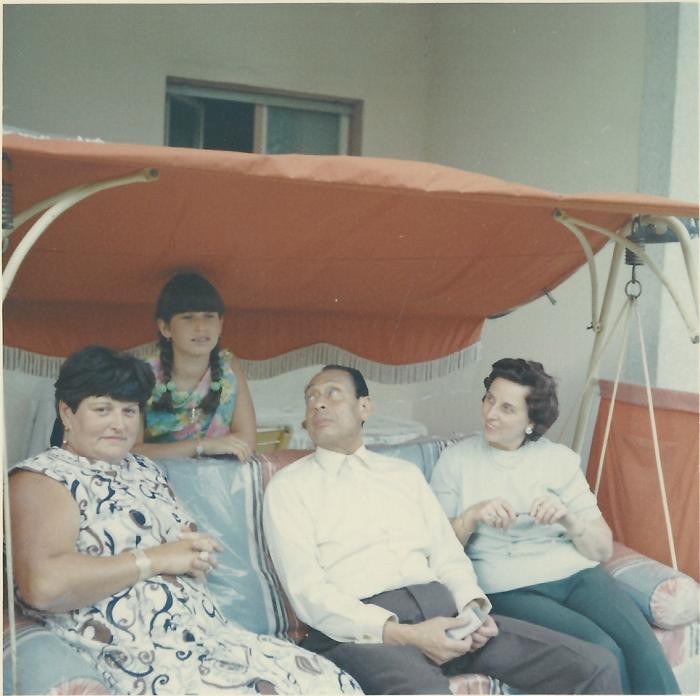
(590, 605)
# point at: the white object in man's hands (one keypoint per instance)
(474, 617)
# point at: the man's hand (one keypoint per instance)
(484, 633)
(430, 638)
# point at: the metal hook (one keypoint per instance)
(633, 288)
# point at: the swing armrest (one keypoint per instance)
(46, 664)
(666, 597)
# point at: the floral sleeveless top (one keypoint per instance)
(187, 419)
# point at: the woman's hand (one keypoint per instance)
(193, 554)
(227, 444)
(547, 509)
(497, 512)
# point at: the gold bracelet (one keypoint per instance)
(143, 564)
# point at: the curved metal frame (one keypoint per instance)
(54, 206)
(599, 323)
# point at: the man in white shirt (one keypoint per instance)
(370, 562)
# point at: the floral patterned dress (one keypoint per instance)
(164, 635)
(187, 419)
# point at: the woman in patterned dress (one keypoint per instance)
(200, 404)
(105, 555)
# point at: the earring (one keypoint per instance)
(66, 430)
(528, 430)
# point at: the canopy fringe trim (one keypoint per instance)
(39, 365)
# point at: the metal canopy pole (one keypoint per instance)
(597, 350)
(56, 205)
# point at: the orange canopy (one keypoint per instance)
(396, 261)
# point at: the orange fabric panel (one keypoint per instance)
(629, 495)
(396, 261)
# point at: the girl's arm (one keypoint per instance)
(239, 442)
(52, 576)
(182, 449)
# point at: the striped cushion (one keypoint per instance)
(225, 498)
(667, 597)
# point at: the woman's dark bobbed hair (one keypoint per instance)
(100, 371)
(542, 402)
(188, 292)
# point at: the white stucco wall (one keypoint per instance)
(679, 359)
(99, 70)
(548, 95)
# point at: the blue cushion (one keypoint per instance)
(225, 498)
(423, 452)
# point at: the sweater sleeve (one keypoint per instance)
(570, 484)
(446, 481)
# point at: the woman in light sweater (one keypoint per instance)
(523, 509)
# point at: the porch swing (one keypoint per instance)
(434, 233)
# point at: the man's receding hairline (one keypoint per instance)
(346, 374)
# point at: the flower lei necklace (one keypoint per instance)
(160, 389)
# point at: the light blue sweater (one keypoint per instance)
(526, 553)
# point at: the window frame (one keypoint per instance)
(349, 110)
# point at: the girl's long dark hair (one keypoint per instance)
(188, 292)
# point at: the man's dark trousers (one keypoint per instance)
(528, 658)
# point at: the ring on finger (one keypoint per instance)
(204, 556)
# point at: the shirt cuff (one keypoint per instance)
(463, 598)
(371, 627)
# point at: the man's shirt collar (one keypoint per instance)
(331, 462)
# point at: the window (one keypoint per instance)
(246, 119)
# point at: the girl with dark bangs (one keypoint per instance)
(200, 405)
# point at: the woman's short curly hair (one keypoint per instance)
(541, 400)
(101, 371)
